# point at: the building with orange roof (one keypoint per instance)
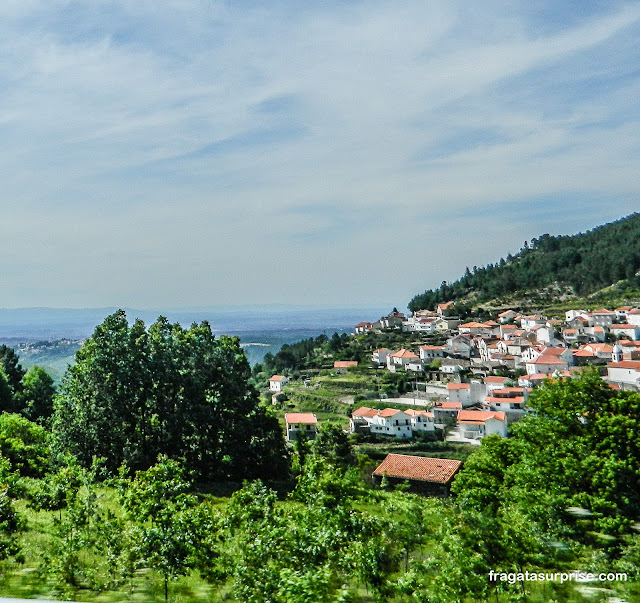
(476, 424)
(301, 423)
(423, 473)
(277, 382)
(400, 359)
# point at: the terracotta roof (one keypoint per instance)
(432, 347)
(345, 363)
(363, 324)
(480, 415)
(449, 405)
(414, 413)
(364, 411)
(554, 351)
(634, 311)
(598, 330)
(583, 354)
(389, 412)
(517, 399)
(508, 327)
(619, 327)
(506, 312)
(300, 417)
(418, 468)
(569, 331)
(277, 378)
(602, 311)
(493, 379)
(546, 359)
(626, 364)
(381, 350)
(453, 386)
(403, 353)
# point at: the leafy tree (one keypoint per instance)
(333, 444)
(10, 363)
(7, 401)
(25, 444)
(171, 527)
(135, 393)
(36, 397)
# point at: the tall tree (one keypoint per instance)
(135, 393)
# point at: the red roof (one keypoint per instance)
(414, 413)
(364, 411)
(418, 468)
(493, 379)
(451, 386)
(300, 417)
(277, 378)
(403, 353)
(517, 399)
(449, 405)
(480, 415)
(389, 412)
(363, 324)
(345, 363)
(546, 359)
(618, 327)
(432, 347)
(554, 351)
(626, 364)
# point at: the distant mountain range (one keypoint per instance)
(552, 267)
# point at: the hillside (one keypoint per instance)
(552, 267)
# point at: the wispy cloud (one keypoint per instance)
(205, 152)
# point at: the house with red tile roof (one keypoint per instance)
(546, 363)
(277, 382)
(379, 356)
(423, 473)
(476, 424)
(400, 359)
(625, 373)
(301, 423)
(341, 367)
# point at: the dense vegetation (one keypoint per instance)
(582, 264)
(135, 393)
(100, 518)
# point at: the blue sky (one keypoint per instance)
(200, 153)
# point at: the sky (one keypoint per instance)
(196, 153)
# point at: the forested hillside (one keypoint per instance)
(579, 264)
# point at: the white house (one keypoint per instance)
(475, 424)
(626, 372)
(506, 316)
(400, 359)
(546, 364)
(633, 316)
(603, 318)
(421, 420)
(391, 422)
(363, 327)
(466, 393)
(277, 382)
(630, 331)
(379, 356)
(431, 352)
(301, 422)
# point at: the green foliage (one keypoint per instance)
(11, 524)
(36, 397)
(332, 443)
(173, 531)
(306, 551)
(136, 393)
(25, 444)
(13, 371)
(583, 263)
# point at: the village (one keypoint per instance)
(478, 382)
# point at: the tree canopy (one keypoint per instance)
(135, 393)
(585, 263)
